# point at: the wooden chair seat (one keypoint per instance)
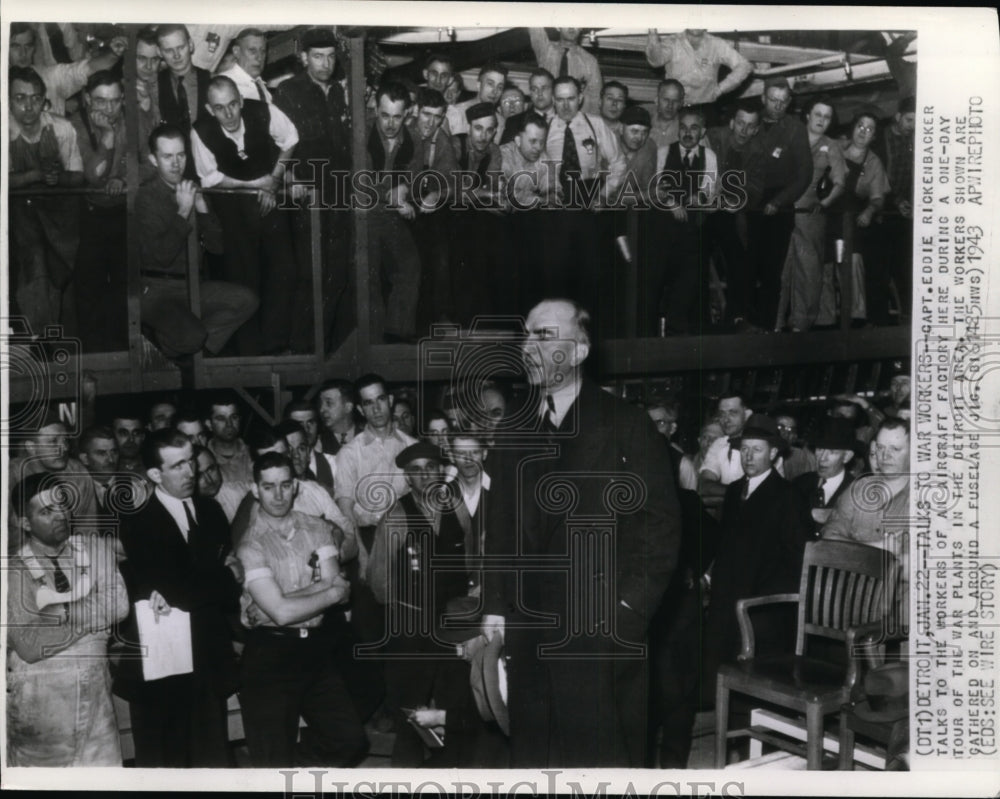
(789, 680)
(844, 588)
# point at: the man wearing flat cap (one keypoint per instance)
(819, 490)
(484, 259)
(763, 534)
(314, 101)
(418, 535)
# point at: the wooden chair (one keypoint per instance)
(869, 653)
(843, 586)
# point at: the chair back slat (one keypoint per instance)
(842, 585)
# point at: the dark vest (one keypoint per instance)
(675, 163)
(259, 148)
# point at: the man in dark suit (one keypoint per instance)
(820, 490)
(335, 403)
(182, 88)
(178, 557)
(760, 547)
(579, 700)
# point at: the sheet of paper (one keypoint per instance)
(167, 642)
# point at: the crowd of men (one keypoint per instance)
(377, 561)
(481, 200)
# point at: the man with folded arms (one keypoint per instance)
(292, 576)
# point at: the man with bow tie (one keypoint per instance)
(178, 558)
(64, 593)
(763, 534)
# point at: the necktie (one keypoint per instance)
(564, 63)
(62, 582)
(342, 438)
(745, 491)
(182, 101)
(689, 158)
(192, 524)
(570, 171)
(819, 500)
(549, 423)
(733, 445)
(260, 89)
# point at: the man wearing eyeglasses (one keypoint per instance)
(44, 230)
(787, 173)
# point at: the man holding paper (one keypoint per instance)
(64, 593)
(179, 561)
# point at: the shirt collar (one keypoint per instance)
(175, 507)
(833, 483)
(562, 398)
(753, 482)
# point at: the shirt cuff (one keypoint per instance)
(211, 179)
(327, 551)
(257, 574)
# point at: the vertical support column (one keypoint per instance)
(316, 260)
(847, 287)
(194, 292)
(134, 281)
(632, 279)
(358, 130)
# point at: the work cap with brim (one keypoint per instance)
(488, 679)
(636, 115)
(422, 449)
(317, 37)
(480, 110)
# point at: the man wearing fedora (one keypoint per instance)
(577, 700)
(764, 530)
(819, 490)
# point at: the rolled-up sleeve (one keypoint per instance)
(282, 129)
(205, 163)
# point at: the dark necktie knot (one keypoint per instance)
(745, 491)
(59, 576)
(192, 523)
(549, 420)
(564, 63)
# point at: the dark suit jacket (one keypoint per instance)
(191, 576)
(612, 474)
(805, 486)
(170, 111)
(759, 552)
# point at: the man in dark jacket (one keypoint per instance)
(178, 558)
(314, 101)
(788, 169)
(820, 490)
(760, 547)
(577, 700)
